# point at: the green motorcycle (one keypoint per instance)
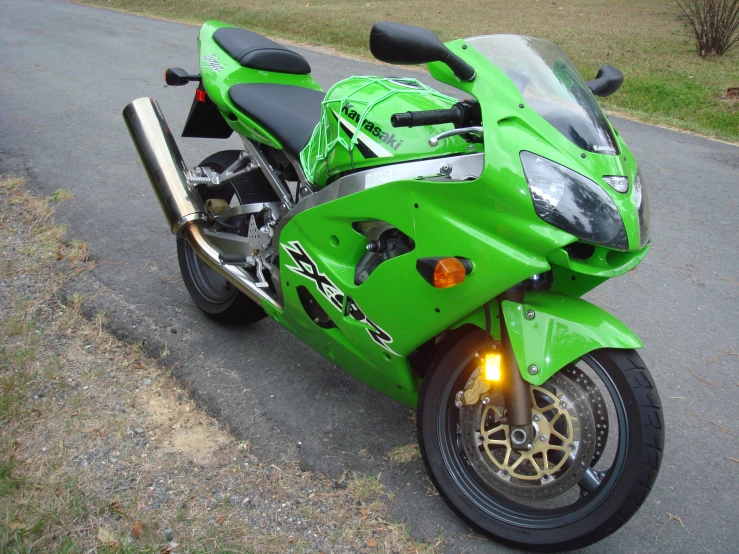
(437, 250)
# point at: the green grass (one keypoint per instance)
(8, 483)
(61, 195)
(666, 83)
(12, 383)
(404, 453)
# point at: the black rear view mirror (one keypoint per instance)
(176, 77)
(607, 81)
(408, 45)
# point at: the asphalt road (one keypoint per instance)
(66, 72)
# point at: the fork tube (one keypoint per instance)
(516, 391)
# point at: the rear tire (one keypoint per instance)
(522, 513)
(211, 292)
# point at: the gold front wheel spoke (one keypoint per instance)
(539, 462)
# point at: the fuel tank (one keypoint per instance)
(355, 133)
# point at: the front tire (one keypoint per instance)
(598, 459)
(211, 292)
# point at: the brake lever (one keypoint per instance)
(433, 141)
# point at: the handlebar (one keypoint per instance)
(456, 114)
(462, 114)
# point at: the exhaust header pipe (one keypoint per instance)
(182, 206)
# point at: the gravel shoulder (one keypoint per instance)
(102, 450)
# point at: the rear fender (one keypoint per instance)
(205, 121)
(562, 329)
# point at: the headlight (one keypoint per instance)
(642, 205)
(573, 203)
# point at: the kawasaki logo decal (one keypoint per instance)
(372, 128)
(307, 268)
(368, 147)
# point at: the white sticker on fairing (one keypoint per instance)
(379, 177)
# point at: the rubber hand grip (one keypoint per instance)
(429, 117)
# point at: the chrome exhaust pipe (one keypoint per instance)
(182, 207)
(163, 162)
(237, 276)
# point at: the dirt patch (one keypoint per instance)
(100, 450)
(183, 431)
(731, 95)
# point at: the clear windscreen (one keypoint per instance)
(552, 87)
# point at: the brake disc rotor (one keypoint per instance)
(597, 406)
(562, 450)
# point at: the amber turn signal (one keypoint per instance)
(444, 272)
(448, 273)
(492, 367)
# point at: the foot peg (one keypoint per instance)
(241, 260)
(232, 259)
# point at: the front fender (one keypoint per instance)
(562, 329)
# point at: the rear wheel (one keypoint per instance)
(210, 291)
(595, 458)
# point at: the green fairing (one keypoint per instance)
(510, 129)
(563, 328)
(217, 83)
(489, 220)
(366, 104)
(395, 296)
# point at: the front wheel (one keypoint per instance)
(597, 452)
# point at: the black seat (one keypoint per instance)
(258, 52)
(289, 113)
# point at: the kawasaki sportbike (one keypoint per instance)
(437, 250)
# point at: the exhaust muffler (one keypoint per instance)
(182, 207)
(163, 162)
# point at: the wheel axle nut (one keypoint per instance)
(533, 369)
(458, 403)
(530, 314)
(518, 436)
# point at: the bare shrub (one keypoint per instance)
(714, 24)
